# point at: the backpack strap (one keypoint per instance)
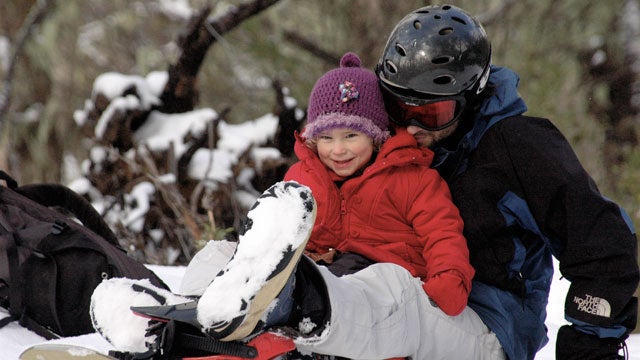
(59, 195)
(11, 182)
(11, 253)
(62, 196)
(26, 321)
(11, 294)
(7, 320)
(15, 293)
(34, 326)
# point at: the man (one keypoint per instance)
(522, 193)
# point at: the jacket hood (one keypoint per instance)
(505, 102)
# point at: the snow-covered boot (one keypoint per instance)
(112, 318)
(269, 248)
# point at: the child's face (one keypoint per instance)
(344, 151)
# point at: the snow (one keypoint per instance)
(160, 130)
(179, 9)
(139, 195)
(14, 338)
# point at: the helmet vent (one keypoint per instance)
(445, 31)
(401, 50)
(417, 25)
(442, 60)
(444, 80)
(391, 67)
(457, 19)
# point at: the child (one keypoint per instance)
(376, 195)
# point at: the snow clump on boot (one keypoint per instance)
(112, 318)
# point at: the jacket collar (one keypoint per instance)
(504, 103)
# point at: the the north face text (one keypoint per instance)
(593, 305)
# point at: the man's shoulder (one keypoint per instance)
(521, 134)
(522, 122)
(523, 129)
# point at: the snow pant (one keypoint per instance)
(383, 312)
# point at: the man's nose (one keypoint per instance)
(413, 129)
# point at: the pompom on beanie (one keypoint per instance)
(347, 97)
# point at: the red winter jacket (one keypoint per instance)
(399, 210)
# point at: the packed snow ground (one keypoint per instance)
(14, 339)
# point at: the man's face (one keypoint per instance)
(429, 138)
(428, 120)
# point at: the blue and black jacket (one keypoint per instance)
(525, 197)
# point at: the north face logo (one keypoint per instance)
(593, 305)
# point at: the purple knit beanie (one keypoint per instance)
(347, 97)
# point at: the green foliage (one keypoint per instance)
(210, 233)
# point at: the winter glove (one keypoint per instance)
(574, 344)
(447, 289)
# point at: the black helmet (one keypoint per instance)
(435, 51)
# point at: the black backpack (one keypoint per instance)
(55, 248)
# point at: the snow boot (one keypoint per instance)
(112, 318)
(312, 311)
(273, 239)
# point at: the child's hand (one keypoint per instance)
(448, 291)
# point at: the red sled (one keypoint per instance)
(268, 345)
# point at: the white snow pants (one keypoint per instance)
(382, 312)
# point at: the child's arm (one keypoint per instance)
(438, 224)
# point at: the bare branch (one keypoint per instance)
(312, 48)
(180, 93)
